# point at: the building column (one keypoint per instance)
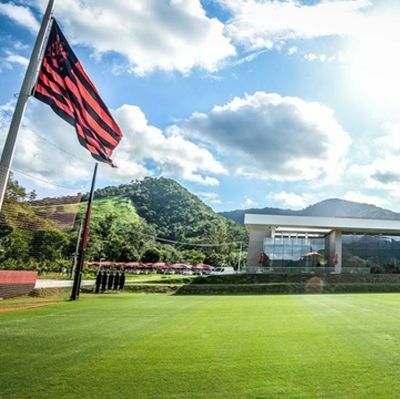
(256, 244)
(333, 245)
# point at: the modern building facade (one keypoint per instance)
(304, 243)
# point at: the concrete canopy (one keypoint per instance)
(254, 222)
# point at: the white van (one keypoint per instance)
(223, 270)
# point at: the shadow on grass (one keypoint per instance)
(273, 284)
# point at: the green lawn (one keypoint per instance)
(159, 346)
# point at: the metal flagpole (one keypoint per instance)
(25, 92)
(240, 258)
(84, 240)
(75, 255)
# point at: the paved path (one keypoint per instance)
(60, 283)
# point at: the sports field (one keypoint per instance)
(160, 346)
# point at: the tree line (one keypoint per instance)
(162, 207)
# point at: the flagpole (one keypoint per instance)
(84, 241)
(25, 92)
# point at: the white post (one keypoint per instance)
(25, 92)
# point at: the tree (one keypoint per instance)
(48, 245)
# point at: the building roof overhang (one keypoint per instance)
(322, 225)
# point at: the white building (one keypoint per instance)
(289, 239)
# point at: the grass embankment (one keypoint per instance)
(62, 216)
(121, 208)
(159, 346)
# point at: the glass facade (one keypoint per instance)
(379, 252)
(294, 251)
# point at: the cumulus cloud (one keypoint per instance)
(290, 200)
(150, 34)
(47, 147)
(173, 154)
(264, 24)
(248, 202)
(389, 141)
(210, 197)
(382, 172)
(16, 59)
(13, 58)
(319, 57)
(268, 136)
(20, 15)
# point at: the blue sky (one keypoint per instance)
(246, 103)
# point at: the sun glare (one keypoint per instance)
(374, 62)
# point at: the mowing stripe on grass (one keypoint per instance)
(160, 346)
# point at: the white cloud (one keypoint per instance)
(365, 198)
(173, 154)
(20, 15)
(319, 57)
(390, 140)
(310, 57)
(12, 58)
(264, 24)
(382, 173)
(151, 34)
(268, 136)
(290, 200)
(248, 202)
(47, 147)
(210, 197)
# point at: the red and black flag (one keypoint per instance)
(64, 85)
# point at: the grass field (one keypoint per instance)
(160, 346)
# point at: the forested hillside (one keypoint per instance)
(178, 215)
(130, 222)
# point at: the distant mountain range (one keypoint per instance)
(333, 207)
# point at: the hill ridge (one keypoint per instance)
(331, 207)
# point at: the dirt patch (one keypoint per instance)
(26, 306)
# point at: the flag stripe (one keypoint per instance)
(103, 116)
(84, 114)
(41, 95)
(67, 89)
(44, 90)
(100, 107)
(90, 115)
(46, 81)
(100, 112)
(50, 71)
(78, 102)
(65, 104)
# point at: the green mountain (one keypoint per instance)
(174, 212)
(331, 207)
(127, 224)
